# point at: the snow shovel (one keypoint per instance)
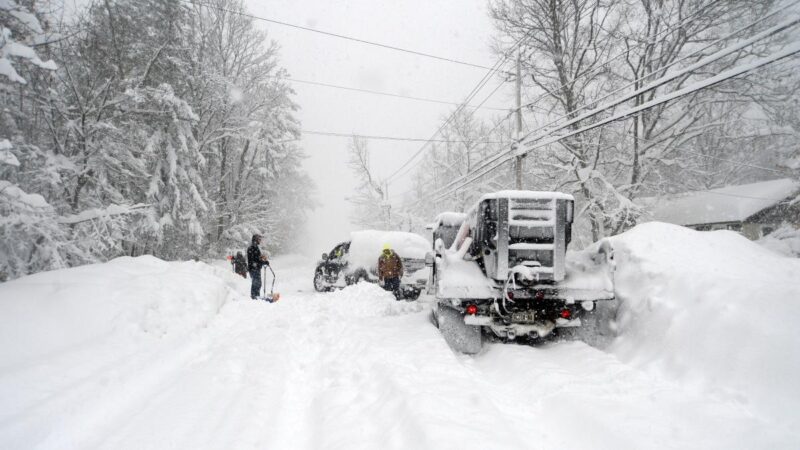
(273, 296)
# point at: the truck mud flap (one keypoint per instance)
(459, 336)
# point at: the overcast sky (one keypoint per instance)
(458, 29)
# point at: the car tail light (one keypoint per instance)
(565, 314)
(472, 310)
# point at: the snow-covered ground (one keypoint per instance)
(141, 353)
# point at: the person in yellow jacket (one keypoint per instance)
(390, 270)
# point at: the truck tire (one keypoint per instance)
(461, 337)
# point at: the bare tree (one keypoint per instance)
(370, 202)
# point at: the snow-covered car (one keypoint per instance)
(357, 259)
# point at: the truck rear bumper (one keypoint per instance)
(514, 330)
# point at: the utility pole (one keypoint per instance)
(387, 207)
(518, 159)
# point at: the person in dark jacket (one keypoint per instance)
(240, 264)
(390, 270)
(255, 261)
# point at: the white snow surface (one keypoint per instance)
(142, 353)
(785, 241)
(450, 219)
(94, 213)
(714, 310)
(366, 246)
(16, 194)
(6, 157)
(460, 278)
(527, 195)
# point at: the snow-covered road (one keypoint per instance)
(349, 369)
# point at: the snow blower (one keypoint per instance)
(273, 296)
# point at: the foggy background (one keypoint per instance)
(457, 29)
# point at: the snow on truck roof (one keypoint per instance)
(726, 204)
(545, 195)
(450, 219)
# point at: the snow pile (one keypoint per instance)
(459, 278)
(714, 310)
(366, 246)
(366, 299)
(589, 270)
(126, 299)
(784, 240)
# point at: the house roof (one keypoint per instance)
(727, 204)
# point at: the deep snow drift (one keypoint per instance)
(784, 240)
(712, 308)
(142, 353)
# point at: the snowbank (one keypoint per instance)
(462, 279)
(367, 299)
(784, 240)
(126, 299)
(714, 310)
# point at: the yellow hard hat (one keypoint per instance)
(387, 247)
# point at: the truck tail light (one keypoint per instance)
(565, 314)
(472, 310)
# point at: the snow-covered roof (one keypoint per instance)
(727, 204)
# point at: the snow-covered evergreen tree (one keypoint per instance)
(161, 128)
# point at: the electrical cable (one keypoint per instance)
(387, 138)
(470, 96)
(531, 104)
(663, 80)
(744, 68)
(387, 94)
(336, 35)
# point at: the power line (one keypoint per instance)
(644, 77)
(663, 80)
(717, 158)
(477, 141)
(744, 68)
(474, 92)
(485, 79)
(532, 104)
(388, 138)
(337, 35)
(387, 94)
